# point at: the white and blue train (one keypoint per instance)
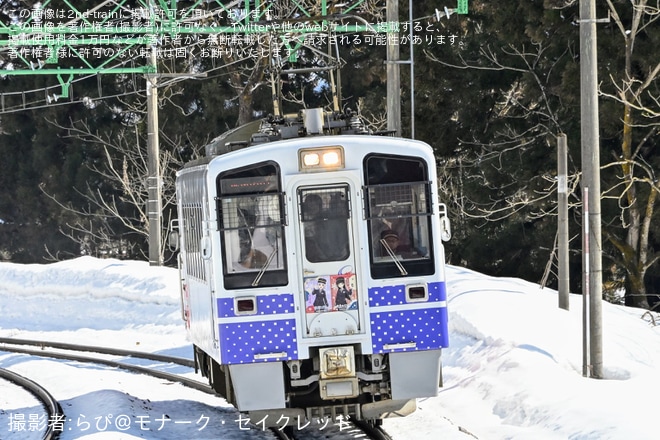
(312, 268)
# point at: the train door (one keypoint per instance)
(328, 250)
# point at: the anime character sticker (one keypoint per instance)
(344, 293)
(317, 295)
(330, 293)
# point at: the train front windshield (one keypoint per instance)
(325, 231)
(399, 216)
(250, 219)
(398, 206)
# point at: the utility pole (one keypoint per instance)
(122, 28)
(154, 204)
(562, 226)
(393, 62)
(591, 178)
(412, 70)
(393, 71)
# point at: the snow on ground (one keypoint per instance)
(513, 369)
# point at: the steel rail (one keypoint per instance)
(53, 408)
(190, 383)
(102, 350)
(374, 431)
(9, 344)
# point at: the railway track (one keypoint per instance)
(71, 352)
(349, 429)
(374, 432)
(51, 406)
(11, 342)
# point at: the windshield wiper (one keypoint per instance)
(257, 279)
(394, 257)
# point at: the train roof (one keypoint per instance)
(308, 123)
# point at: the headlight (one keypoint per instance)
(321, 159)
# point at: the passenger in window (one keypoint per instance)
(254, 259)
(335, 229)
(326, 233)
(313, 228)
(312, 207)
(393, 217)
(390, 241)
(249, 257)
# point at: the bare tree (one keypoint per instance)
(259, 59)
(637, 190)
(512, 139)
(124, 151)
(634, 189)
(124, 167)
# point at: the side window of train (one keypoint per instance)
(192, 214)
(250, 206)
(324, 214)
(398, 212)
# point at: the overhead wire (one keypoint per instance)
(49, 103)
(51, 98)
(47, 92)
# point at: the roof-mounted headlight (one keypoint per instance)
(321, 159)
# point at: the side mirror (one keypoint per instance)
(206, 248)
(173, 236)
(445, 224)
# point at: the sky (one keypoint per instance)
(513, 369)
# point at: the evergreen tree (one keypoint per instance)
(493, 89)
(521, 87)
(499, 96)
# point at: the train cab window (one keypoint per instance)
(250, 208)
(398, 212)
(324, 215)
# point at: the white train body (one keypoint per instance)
(296, 304)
